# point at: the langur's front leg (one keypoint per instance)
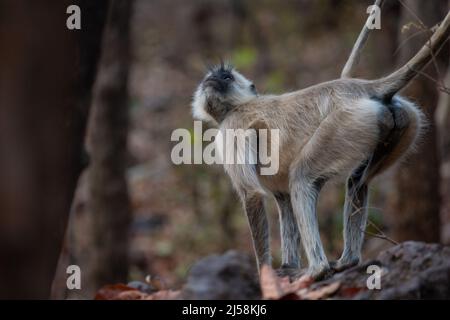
(304, 193)
(259, 227)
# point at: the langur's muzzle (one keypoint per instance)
(216, 83)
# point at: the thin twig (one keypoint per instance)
(440, 83)
(380, 233)
(380, 236)
(413, 14)
(358, 46)
(401, 77)
(362, 208)
(403, 43)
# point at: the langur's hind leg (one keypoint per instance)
(355, 219)
(396, 140)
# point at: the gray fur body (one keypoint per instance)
(346, 127)
(334, 129)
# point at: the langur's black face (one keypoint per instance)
(219, 79)
(225, 83)
(222, 85)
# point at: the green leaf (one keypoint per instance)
(244, 57)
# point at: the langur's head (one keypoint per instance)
(222, 89)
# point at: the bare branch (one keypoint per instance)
(439, 82)
(421, 31)
(358, 46)
(424, 28)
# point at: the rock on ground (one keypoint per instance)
(410, 270)
(229, 276)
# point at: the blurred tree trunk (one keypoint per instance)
(108, 204)
(415, 207)
(45, 85)
(443, 122)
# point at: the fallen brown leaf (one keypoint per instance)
(276, 288)
(163, 295)
(303, 282)
(131, 295)
(270, 286)
(291, 296)
(350, 291)
(124, 292)
(112, 291)
(321, 293)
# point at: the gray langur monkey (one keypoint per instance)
(352, 127)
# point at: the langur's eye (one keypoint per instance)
(253, 87)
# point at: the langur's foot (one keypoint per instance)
(290, 271)
(321, 272)
(344, 263)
